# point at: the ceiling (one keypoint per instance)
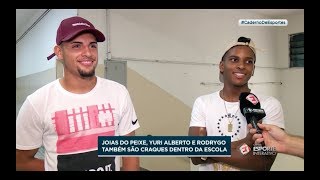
(26, 17)
(277, 12)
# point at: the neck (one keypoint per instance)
(232, 94)
(78, 85)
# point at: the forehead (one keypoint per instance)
(241, 50)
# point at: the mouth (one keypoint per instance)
(239, 75)
(86, 62)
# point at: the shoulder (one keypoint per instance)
(267, 100)
(207, 97)
(112, 85)
(44, 91)
(273, 110)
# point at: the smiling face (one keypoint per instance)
(79, 56)
(237, 65)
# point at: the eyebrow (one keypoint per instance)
(93, 42)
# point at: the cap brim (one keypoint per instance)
(99, 36)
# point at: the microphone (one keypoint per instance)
(251, 109)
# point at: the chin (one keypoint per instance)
(240, 83)
(86, 73)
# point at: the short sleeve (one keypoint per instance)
(128, 121)
(198, 118)
(28, 128)
(274, 112)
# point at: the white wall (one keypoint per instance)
(295, 25)
(33, 49)
(292, 91)
(199, 36)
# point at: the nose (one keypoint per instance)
(240, 65)
(87, 51)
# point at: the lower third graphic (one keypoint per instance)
(258, 149)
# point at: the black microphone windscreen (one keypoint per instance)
(248, 100)
(250, 108)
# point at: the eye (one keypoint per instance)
(94, 46)
(233, 59)
(250, 61)
(76, 46)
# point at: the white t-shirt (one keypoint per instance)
(209, 111)
(68, 124)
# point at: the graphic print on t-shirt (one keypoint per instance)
(223, 123)
(78, 128)
(88, 161)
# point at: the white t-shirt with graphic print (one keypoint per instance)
(210, 111)
(68, 124)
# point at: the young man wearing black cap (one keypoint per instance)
(218, 113)
(67, 115)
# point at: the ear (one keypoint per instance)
(58, 52)
(253, 70)
(221, 66)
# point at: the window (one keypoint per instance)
(297, 50)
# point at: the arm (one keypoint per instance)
(197, 127)
(274, 136)
(199, 131)
(130, 163)
(28, 134)
(25, 161)
(295, 146)
(248, 161)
